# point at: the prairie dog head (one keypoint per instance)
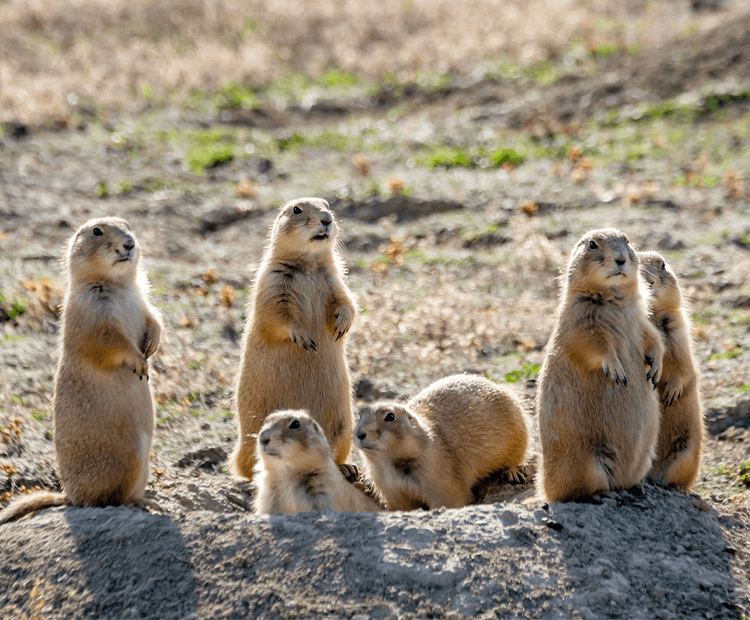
(665, 289)
(103, 249)
(603, 260)
(291, 439)
(388, 429)
(305, 225)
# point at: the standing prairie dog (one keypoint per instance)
(598, 410)
(296, 472)
(103, 408)
(293, 347)
(432, 450)
(679, 449)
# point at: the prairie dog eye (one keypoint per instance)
(389, 417)
(296, 210)
(97, 231)
(592, 245)
(663, 265)
(294, 424)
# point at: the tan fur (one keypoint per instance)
(431, 451)
(679, 450)
(103, 408)
(293, 353)
(598, 411)
(22, 505)
(296, 472)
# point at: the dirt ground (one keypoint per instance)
(457, 203)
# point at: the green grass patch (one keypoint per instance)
(458, 157)
(726, 355)
(672, 109)
(203, 155)
(474, 234)
(334, 78)
(14, 338)
(234, 97)
(166, 414)
(744, 474)
(703, 318)
(605, 50)
(739, 474)
(523, 373)
(449, 157)
(155, 185)
(125, 187)
(291, 142)
(40, 415)
(543, 72)
(16, 308)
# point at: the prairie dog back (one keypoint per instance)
(430, 451)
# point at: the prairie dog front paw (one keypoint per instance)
(654, 372)
(613, 369)
(151, 339)
(299, 336)
(140, 367)
(672, 391)
(344, 319)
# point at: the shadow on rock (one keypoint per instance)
(114, 562)
(647, 553)
(126, 563)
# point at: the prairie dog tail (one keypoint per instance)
(23, 505)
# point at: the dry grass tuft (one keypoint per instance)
(45, 298)
(246, 189)
(211, 277)
(734, 183)
(361, 164)
(529, 208)
(226, 295)
(396, 185)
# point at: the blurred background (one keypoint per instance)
(57, 56)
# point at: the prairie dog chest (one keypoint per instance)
(124, 307)
(313, 290)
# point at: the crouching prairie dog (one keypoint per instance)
(679, 449)
(598, 410)
(296, 472)
(103, 408)
(430, 451)
(293, 353)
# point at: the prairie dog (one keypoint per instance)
(296, 472)
(103, 407)
(293, 353)
(679, 449)
(430, 451)
(598, 411)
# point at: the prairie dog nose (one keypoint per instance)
(621, 256)
(361, 436)
(326, 218)
(265, 439)
(129, 243)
